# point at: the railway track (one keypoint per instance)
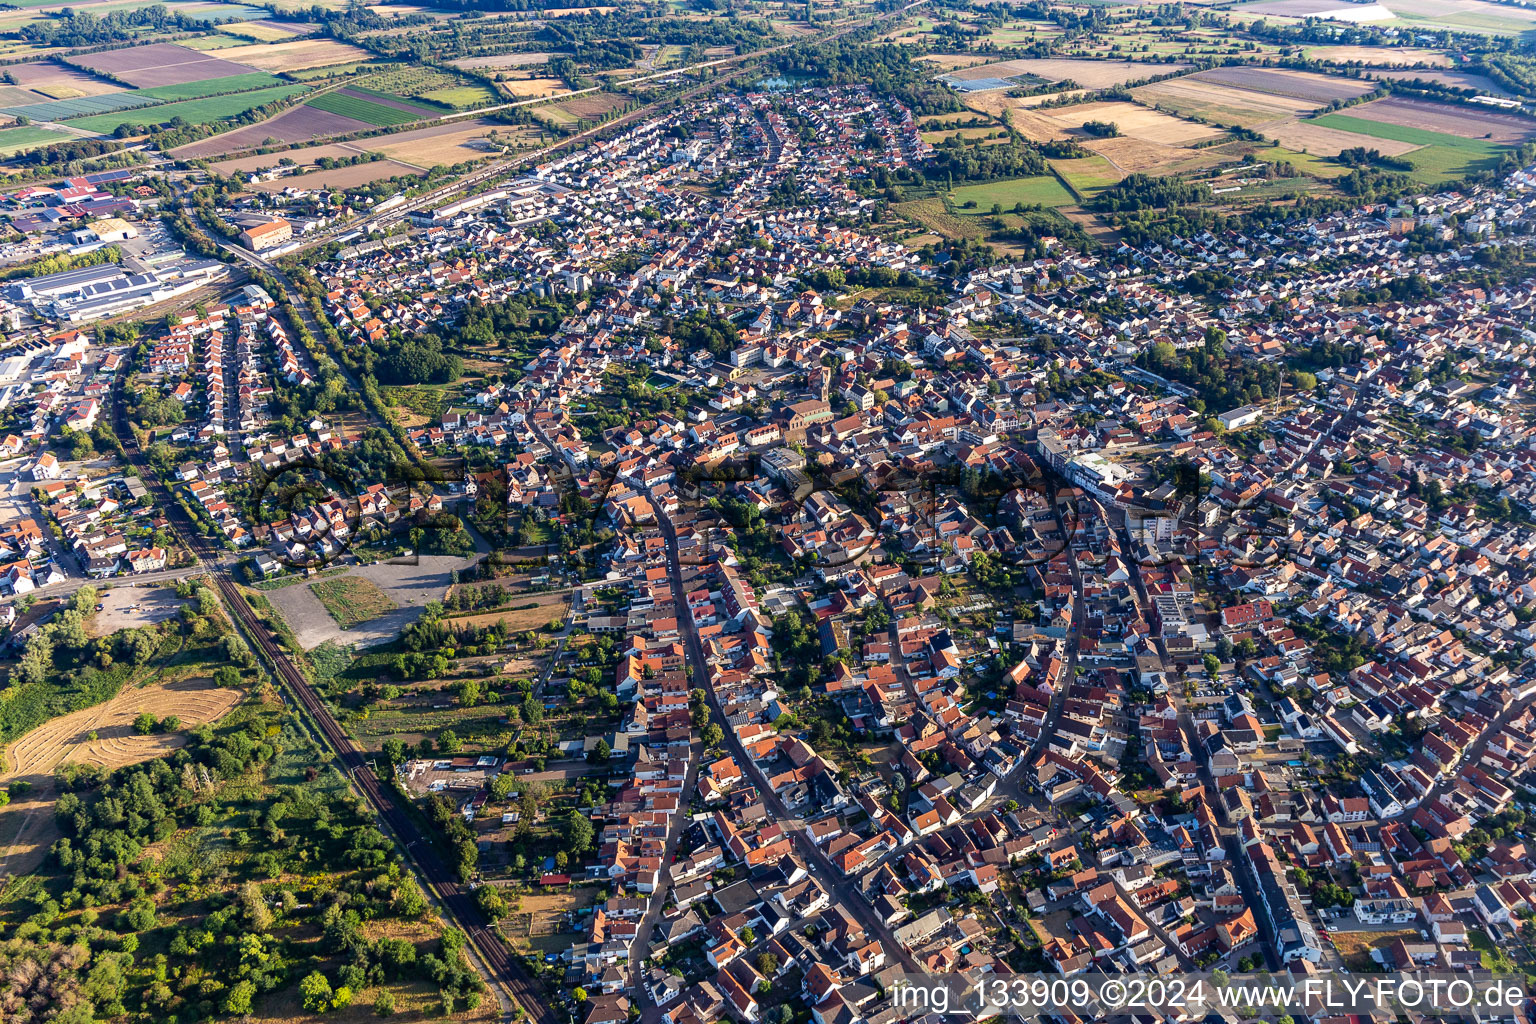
(495, 961)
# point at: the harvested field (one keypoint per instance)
(1090, 74)
(1223, 104)
(1315, 139)
(1445, 119)
(159, 64)
(269, 31)
(1315, 9)
(592, 105)
(296, 125)
(1132, 156)
(952, 61)
(1454, 79)
(523, 614)
(1136, 122)
(27, 828)
(53, 79)
(504, 60)
(340, 177)
(1300, 85)
(534, 88)
(296, 55)
(1379, 56)
(447, 143)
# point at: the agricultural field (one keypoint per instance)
(449, 143)
(1135, 122)
(588, 107)
(53, 80)
(212, 87)
(1248, 97)
(952, 61)
(194, 111)
(1043, 190)
(60, 110)
(352, 600)
(295, 125)
(158, 64)
(297, 55)
(341, 177)
(504, 60)
(1442, 119)
(1453, 79)
(357, 106)
(533, 88)
(19, 140)
(1313, 138)
(1087, 174)
(461, 97)
(1380, 56)
(1088, 74)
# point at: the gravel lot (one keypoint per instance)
(127, 607)
(409, 586)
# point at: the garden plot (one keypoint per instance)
(158, 64)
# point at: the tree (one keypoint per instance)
(578, 831)
(237, 1002)
(384, 1003)
(145, 723)
(316, 992)
(713, 735)
(600, 753)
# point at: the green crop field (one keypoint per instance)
(15, 140)
(213, 86)
(1435, 164)
(1403, 133)
(1087, 174)
(461, 97)
(1042, 190)
(367, 111)
(392, 98)
(1306, 163)
(193, 111)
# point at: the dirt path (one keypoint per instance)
(27, 828)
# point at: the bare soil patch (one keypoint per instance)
(1316, 140)
(47, 76)
(294, 125)
(1442, 117)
